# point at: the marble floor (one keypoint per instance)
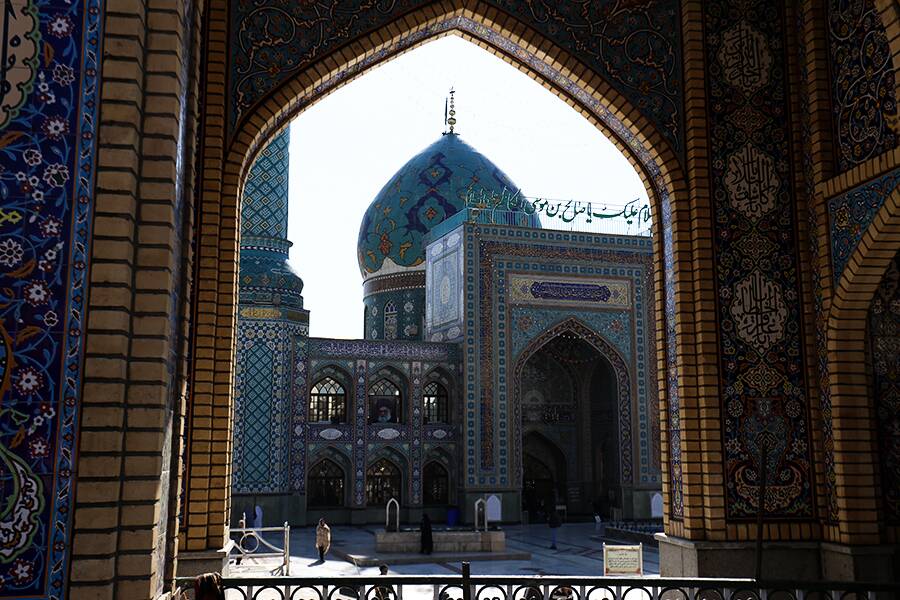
(579, 552)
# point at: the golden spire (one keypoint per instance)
(451, 119)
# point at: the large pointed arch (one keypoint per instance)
(624, 394)
(851, 397)
(226, 156)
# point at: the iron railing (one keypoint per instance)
(251, 543)
(540, 587)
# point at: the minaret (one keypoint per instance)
(271, 346)
(266, 278)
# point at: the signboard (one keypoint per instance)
(623, 560)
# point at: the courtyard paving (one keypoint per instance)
(579, 552)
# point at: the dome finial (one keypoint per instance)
(451, 119)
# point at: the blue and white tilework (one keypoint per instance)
(492, 256)
(47, 150)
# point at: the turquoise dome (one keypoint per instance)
(427, 190)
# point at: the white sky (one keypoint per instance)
(347, 146)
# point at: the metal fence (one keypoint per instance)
(250, 542)
(538, 587)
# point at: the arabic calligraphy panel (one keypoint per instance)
(524, 289)
(752, 181)
(745, 57)
(759, 311)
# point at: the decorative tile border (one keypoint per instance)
(762, 350)
(48, 124)
(649, 74)
(850, 215)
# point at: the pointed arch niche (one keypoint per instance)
(574, 395)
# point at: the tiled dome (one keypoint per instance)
(428, 189)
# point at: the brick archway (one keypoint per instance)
(226, 159)
(852, 409)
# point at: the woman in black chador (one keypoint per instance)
(427, 541)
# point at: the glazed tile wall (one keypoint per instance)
(403, 318)
(47, 136)
(444, 291)
(864, 102)
(264, 384)
(269, 50)
(271, 335)
(762, 372)
(264, 210)
(492, 256)
(409, 365)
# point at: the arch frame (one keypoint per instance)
(442, 458)
(332, 454)
(849, 386)
(398, 461)
(451, 385)
(399, 380)
(624, 394)
(226, 156)
(340, 377)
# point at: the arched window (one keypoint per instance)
(385, 402)
(436, 484)
(390, 320)
(327, 402)
(325, 486)
(383, 482)
(436, 403)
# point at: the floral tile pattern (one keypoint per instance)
(273, 39)
(761, 365)
(47, 127)
(866, 117)
(851, 213)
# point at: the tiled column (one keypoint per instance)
(416, 441)
(753, 358)
(126, 494)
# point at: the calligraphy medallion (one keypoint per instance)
(745, 57)
(20, 45)
(759, 311)
(752, 181)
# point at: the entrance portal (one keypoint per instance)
(570, 443)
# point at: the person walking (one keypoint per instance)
(555, 523)
(427, 541)
(323, 538)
